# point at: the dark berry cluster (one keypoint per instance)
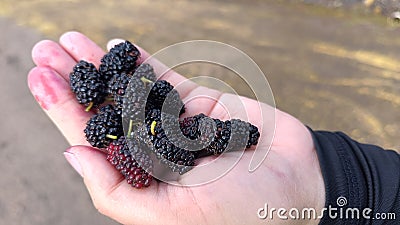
(127, 96)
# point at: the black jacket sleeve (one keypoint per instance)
(358, 177)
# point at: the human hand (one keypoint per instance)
(289, 177)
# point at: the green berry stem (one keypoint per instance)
(110, 99)
(145, 80)
(89, 107)
(130, 128)
(114, 137)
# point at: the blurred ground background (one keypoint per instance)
(334, 67)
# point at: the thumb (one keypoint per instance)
(93, 166)
(110, 193)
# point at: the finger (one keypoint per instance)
(201, 100)
(235, 106)
(53, 94)
(50, 54)
(110, 193)
(81, 47)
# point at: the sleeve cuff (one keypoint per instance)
(357, 177)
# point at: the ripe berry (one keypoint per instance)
(117, 86)
(178, 159)
(134, 101)
(86, 83)
(121, 58)
(103, 127)
(254, 135)
(134, 165)
(146, 71)
(163, 96)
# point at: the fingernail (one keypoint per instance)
(114, 42)
(73, 161)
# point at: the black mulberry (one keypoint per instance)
(134, 101)
(117, 86)
(121, 58)
(178, 159)
(223, 139)
(164, 96)
(86, 83)
(103, 127)
(254, 135)
(239, 135)
(145, 70)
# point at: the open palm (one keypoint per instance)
(289, 177)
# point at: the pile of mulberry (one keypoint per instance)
(138, 118)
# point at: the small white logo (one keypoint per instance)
(341, 201)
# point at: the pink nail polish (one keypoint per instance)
(73, 161)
